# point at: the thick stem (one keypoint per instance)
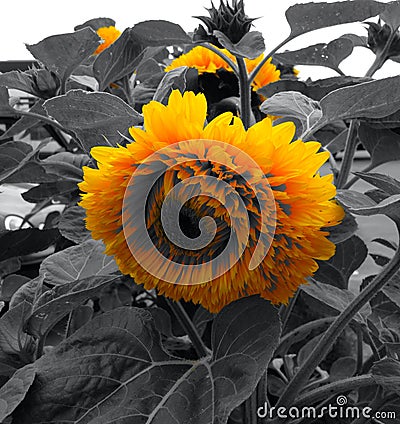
(351, 145)
(328, 339)
(188, 326)
(266, 57)
(245, 93)
(286, 312)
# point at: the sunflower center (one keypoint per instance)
(189, 222)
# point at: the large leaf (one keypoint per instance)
(64, 52)
(51, 190)
(176, 79)
(26, 241)
(117, 60)
(384, 182)
(114, 369)
(307, 17)
(96, 23)
(11, 284)
(251, 45)
(78, 262)
(14, 391)
(344, 230)
(56, 303)
(337, 299)
(72, 225)
(389, 206)
(329, 55)
(373, 99)
(160, 33)
(28, 293)
(96, 118)
(383, 144)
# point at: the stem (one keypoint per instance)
(360, 350)
(328, 339)
(245, 93)
(286, 312)
(223, 56)
(381, 58)
(188, 326)
(342, 386)
(368, 168)
(351, 145)
(270, 54)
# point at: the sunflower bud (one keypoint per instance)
(378, 36)
(231, 20)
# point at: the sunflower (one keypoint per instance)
(108, 35)
(206, 61)
(223, 158)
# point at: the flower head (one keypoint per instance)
(231, 20)
(223, 170)
(206, 61)
(378, 36)
(108, 35)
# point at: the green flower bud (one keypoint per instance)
(378, 36)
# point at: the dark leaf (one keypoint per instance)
(138, 381)
(391, 15)
(387, 373)
(118, 60)
(11, 284)
(357, 40)
(147, 68)
(56, 303)
(96, 118)
(389, 207)
(78, 262)
(328, 274)
(96, 23)
(160, 33)
(392, 289)
(337, 299)
(382, 144)
(329, 55)
(343, 368)
(64, 52)
(384, 182)
(66, 165)
(14, 391)
(176, 79)
(387, 243)
(72, 225)
(374, 99)
(344, 230)
(307, 17)
(18, 81)
(26, 241)
(79, 317)
(251, 45)
(28, 293)
(379, 259)
(44, 191)
(9, 266)
(201, 318)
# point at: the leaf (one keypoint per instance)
(334, 297)
(78, 262)
(329, 55)
(373, 99)
(201, 318)
(160, 33)
(51, 190)
(304, 18)
(384, 182)
(357, 40)
(349, 256)
(64, 52)
(9, 266)
(387, 374)
(387, 243)
(96, 118)
(18, 80)
(26, 241)
(343, 368)
(72, 225)
(66, 165)
(391, 15)
(118, 60)
(12, 337)
(306, 350)
(96, 23)
(28, 293)
(316, 90)
(382, 144)
(147, 68)
(353, 199)
(176, 79)
(291, 104)
(389, 207)
(392, 289)
(14, 391)
(56, 303)
(137, 380)
(11, 284)
(344, 230)
(250, 46)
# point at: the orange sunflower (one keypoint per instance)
(108, 35)
(204, 157)
(205, 60)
